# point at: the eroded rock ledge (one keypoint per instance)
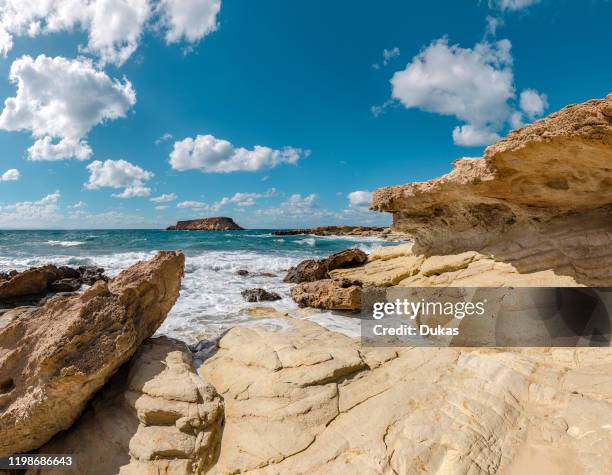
(545, 190)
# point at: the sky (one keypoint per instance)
(139, 113)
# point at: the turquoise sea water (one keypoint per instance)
(210, 300)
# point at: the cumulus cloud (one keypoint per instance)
(165, 198)
(162, 207)
(360, 198)
(59, 101)
(533, 103)
(475, 85)
(512, 5)
(212, 155)
(193, 205)
(31, 212)
(238, 199)
(119, 174)
(114, 27)
(189, 20)
(10, 175)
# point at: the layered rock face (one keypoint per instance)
(54, 358)
(539, 200)
(220, 223)
(307, 400)
(156, 415)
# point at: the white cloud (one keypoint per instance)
(162, 207)
(193, 205)
(163, 138)
(388, 55)
(472, 136)
(239, 199)
(513, 5)
(475, 85)
(78, 205)
(533, 103)
(211, 155)
(59, 101)
(189, 20)
(360, 198)
(114, 27)
(119, 174)
(10, 175)
(31, 212)
(165, 198)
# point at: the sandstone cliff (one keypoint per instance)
(54, 358)
(220, 223)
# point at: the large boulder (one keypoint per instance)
(329, 294)
(311, 270)
(54, 359)
(31, 285)
(156, 415)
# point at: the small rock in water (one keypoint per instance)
(259, 295)
(242, 272)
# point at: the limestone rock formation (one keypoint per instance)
(329, 294)
(311, 270)
(156, 415)
(307, 400)
(55, 358)
(220, 223)
(538, 201)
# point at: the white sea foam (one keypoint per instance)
(311, 241)
(210, 302)
(65, 243)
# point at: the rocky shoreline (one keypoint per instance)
(80, 374)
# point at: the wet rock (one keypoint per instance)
(311, 270)
(259, 295)
(242, 272)
(65, 285)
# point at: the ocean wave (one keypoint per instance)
(311, 241)
(65, 243)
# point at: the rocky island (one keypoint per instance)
(219, 223)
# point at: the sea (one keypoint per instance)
(210, 302)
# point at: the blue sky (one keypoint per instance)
(276, 113)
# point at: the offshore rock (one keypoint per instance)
(220, 223)
(311, 270)
(54, 358)
(259, 295)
